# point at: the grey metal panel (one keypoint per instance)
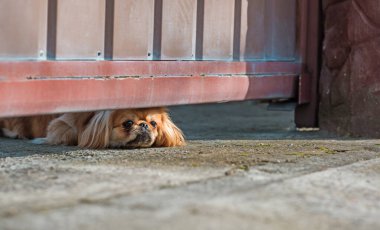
(175, 29)
(280, 29)
(178, 29)
(268, 30)
(23, 26)
(80, 29)
(133, 29)
(218, 29)
(252, 39)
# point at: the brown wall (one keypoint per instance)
(350, 78)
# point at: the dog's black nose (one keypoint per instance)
(144, 125)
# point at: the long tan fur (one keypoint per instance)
(169, 134)
(102, 129)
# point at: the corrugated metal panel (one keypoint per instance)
(253, 40)
(268, 30)
(218, 29)
(280, 29)
(80, 29)
(23, 26)
(178, 29)
(260, 30)
(175, 29)
(133, 29)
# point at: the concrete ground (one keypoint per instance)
(243, 168)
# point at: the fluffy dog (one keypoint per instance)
(128, 128)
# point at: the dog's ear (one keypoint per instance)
(169, 134)
(97, 132)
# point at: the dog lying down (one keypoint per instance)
(127, 128)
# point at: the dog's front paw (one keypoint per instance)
(39, 141)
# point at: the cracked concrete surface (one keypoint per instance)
(243, 168)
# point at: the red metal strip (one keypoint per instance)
(32, 97)
(306, 114)
(304, 89)
(12, 71)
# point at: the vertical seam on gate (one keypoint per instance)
(52, 14)
(109, 29)
(199, 30)
(237, 30)
(157, 31)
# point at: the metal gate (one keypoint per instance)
(69, 55)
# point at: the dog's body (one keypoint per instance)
(26, 127)
(103, 129)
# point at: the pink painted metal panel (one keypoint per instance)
(178, 30)
(252, 38)
(20, 71)
(280, 29)
(63, 86)
(218, 29)
(80, 29)
(23, 26)
(268, 30)
(133, 29)
(31, 97)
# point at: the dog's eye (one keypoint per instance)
(153, 123)
(127, 124)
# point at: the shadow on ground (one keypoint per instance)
(248, 120)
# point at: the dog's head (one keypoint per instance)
(131, 128)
